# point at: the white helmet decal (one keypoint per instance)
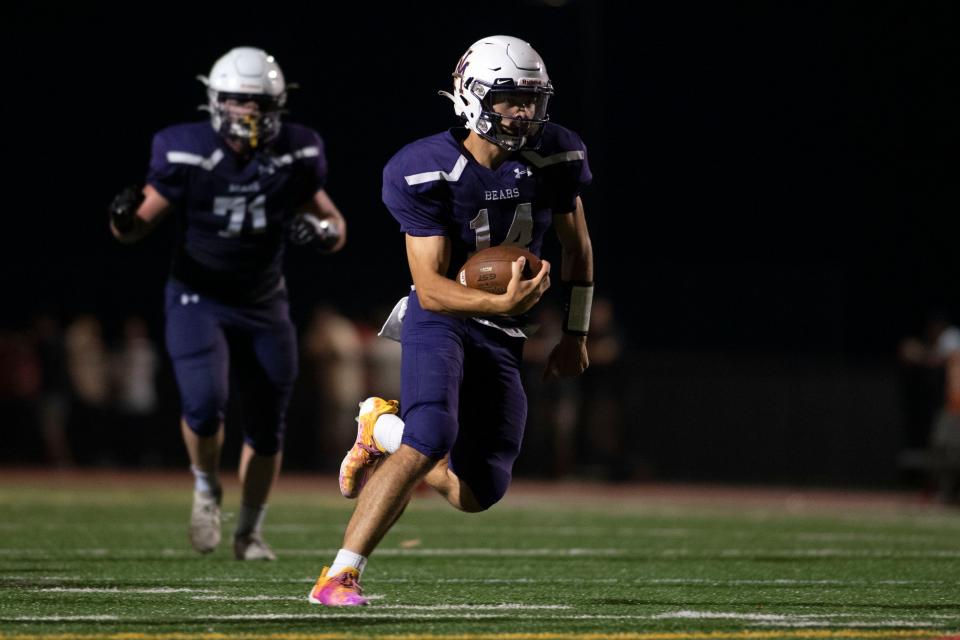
(500, 63)
(246, 74)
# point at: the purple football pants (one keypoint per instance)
(206, 338)
(461, 393)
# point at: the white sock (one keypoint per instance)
(251, 519)
(346, 559)
(388, 432)
(205, 482)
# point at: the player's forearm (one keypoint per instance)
(576, 273)
(443, 295)
(577, 261)
(577, 256)
(324, 208)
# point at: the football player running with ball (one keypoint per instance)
(237, 188)
(502, 180)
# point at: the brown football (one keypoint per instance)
(489, 269)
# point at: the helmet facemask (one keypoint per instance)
(254, 127)
(511, 132)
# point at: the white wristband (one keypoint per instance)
(578, 305)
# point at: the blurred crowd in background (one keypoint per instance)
(76, 393)
(930, 370)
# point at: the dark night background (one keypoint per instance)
(775, 202)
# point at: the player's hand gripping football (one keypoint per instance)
(307, 230)
(522, 294)
(123, 208)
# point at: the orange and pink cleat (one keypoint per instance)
(341, 590)
(363, 456)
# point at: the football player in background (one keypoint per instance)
(503, 179)
(238, 185)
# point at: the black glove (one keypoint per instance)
(123, 208)
(306, 230)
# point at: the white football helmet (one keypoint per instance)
(501, 64)
(246, 74)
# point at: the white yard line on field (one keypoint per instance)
(772, 582)
(475, 552)
(150, 590)
(372, 614)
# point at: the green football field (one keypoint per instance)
(99, 556)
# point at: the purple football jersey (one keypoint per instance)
(434, 187)
(232, 212)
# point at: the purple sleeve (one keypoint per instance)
(167, 178)
(570, 178)
(318, 163)
(420, 209)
